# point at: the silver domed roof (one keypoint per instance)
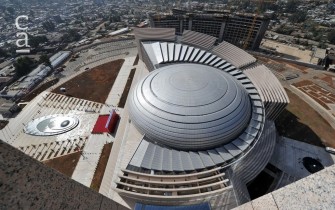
(190, 107)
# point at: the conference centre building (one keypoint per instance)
(201, 122)
(188, 124)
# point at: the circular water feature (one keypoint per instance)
(51, 125)
(312, 165)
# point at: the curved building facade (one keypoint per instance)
(205, 123)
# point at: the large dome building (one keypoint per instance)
(205, 112)
(190, 107)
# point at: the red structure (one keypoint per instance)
(106, 123)
(112, 122)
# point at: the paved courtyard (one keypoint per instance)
(48, 147)
(288, 155)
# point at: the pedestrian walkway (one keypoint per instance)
(119, 85)
(88, 162)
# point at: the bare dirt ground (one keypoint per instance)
(100, 171)
(94, 84)
(3, 124)
(301, 122)
(65, 164)
(39, 90)
(125, 93)
(136, 60)
(290, 52)
(281, 66)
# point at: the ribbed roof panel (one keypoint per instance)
(198, 39)
(233, 54)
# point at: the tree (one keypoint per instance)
(11, 10)
(322, 45)
(115, 18)
(10, 49)
(284, 29)
(23, 66)
(31, 13)
(3, 53)
(137, 21)
(298, 17)
(331, 37)
(44, 59)
(49, 25)
(35, 41)
(291, 6)
(71, 36)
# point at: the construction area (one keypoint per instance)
(290, 52)
(243, 30)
